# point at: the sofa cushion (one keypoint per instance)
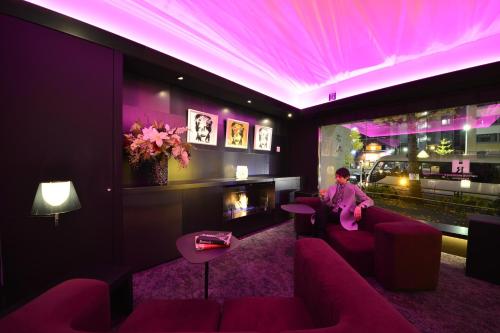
(193, 315)
(265, 314)
(356, 247)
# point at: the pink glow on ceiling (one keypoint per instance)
(482, 117)
(299, 51)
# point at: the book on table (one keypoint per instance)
(212, 240)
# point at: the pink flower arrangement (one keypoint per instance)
(156, 143)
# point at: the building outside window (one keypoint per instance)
(458, 161)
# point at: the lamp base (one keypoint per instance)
(56, 219)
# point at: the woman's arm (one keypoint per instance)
(327, 198)
(365, 200)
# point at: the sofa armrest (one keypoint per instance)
(72, 306)
(407, 255)
(374, 215)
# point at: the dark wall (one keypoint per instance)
(304, 161)
(59, 114)
(147, 100)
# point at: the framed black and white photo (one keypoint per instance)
(202, 128)
(262, 138)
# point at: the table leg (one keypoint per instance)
(206, 280)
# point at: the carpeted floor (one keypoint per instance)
(263, 265)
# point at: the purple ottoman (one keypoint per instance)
(407, 255)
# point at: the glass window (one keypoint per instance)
(377, 151)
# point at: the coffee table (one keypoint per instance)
(185, 245)
(298, 209)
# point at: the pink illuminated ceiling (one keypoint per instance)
(300, 51)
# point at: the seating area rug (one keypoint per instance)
(263, 266)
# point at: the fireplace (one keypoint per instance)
(248, 199)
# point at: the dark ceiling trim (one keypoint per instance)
(474, 85)
(200, 80)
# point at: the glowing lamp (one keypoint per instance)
(373, 147)
(241, 172)
(54, 198)
(403, 181)
(423, 154)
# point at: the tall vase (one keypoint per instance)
(160, 172)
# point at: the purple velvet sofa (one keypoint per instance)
(329, 297)
(401, 252)
(74, 306)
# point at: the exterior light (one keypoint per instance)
(180, 78)
(405, 149)
(423, 154)
(465, 183)
(290, 115)
(249, 101)
(466, 129)
(403, 181)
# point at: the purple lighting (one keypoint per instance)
(299, 52)
(483, 117)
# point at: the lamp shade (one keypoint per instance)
(54, 198)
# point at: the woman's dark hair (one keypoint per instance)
(343, 172)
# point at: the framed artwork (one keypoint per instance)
(262, 138)
(202, 128)
(236, 134)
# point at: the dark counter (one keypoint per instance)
(155, 216)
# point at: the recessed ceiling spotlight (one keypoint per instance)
(249, 101)
(290, 115)
(180, 78)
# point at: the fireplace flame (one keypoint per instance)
(242, 201)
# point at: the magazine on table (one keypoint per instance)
(213, 240)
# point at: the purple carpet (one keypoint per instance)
(263, 265)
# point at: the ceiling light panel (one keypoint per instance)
(299, 51)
